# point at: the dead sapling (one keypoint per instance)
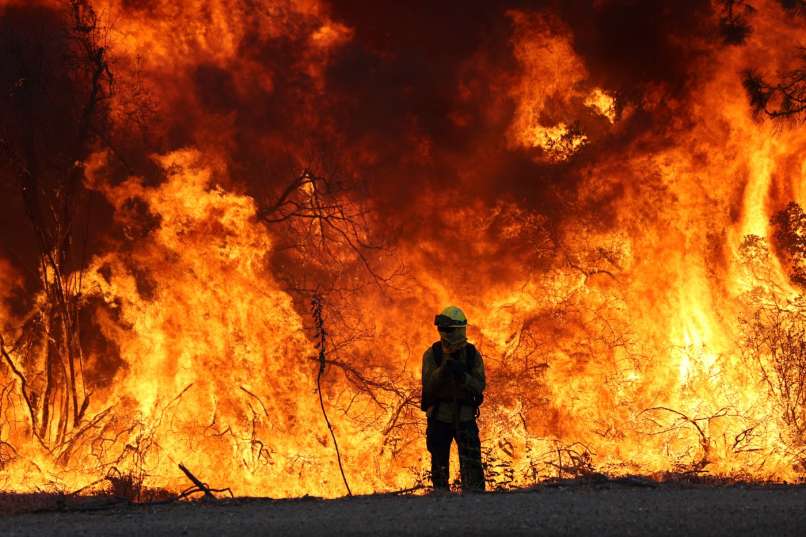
(321, 345)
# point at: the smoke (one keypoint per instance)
(452, 123)
(413, 99)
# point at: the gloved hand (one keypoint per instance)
(457, 369)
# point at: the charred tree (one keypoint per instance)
(57, 83)
(321, 333)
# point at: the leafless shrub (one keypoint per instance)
(421, 478)
(572, 460)
(699, 460)
(773, 330)
(65, 75)
(775, 345)
(125, 485)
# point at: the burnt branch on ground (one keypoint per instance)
(574, 460)
(208, 494)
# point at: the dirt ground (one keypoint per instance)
(601, 511)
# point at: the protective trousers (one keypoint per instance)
(438, 438)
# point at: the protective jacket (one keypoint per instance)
(452, 396)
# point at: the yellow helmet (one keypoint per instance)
(451, 317)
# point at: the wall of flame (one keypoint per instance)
(580, 177)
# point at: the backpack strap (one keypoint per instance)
(470, 356)
(471, 359)
(436, 348)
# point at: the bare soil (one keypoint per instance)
(600, 510)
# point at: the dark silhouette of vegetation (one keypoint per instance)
(789, 238)
(783, 98)
(733, 23)
(797, 7)
(53, 109)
